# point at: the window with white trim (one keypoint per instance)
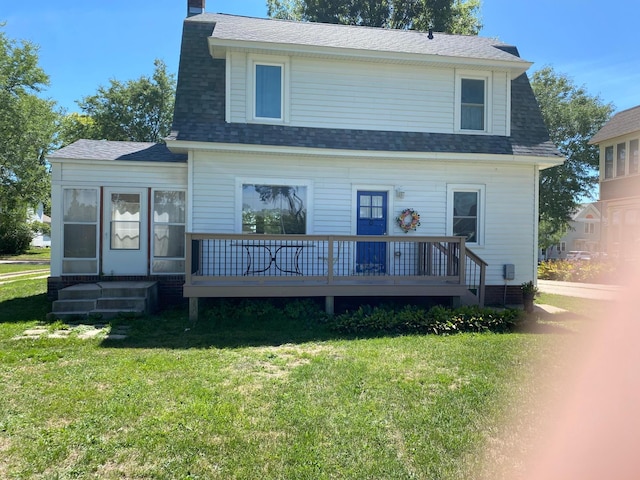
(608, 162)
(274, 209)
(169, 225)
(80, 231)
(589, 228)
(634, 156)
(267, 89)
(473, 102)
(621, 159)
(465, 212)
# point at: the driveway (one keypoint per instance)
(582, 290)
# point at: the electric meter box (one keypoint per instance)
(509, 271)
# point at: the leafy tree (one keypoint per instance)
(75, 126)
(572, 117)
(27, 133)
(451, 16)
(138, 110)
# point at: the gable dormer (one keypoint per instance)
(353, 89)
(337, 76)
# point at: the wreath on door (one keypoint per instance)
(408, 220)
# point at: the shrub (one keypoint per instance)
(594, 271)
(15, 236)
(412, 319)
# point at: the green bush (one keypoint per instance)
(413, 319)
(594, 271)
(15, 236)
(366, 319)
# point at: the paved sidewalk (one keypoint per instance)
(581, 290)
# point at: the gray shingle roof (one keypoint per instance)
(200, 114)
(108, 150)
(231, 28)
(622, 123)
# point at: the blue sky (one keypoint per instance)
(84, 43)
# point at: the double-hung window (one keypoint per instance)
(634, 156)
(608, 162)
(621, 159)
(472, 104)
(465, 219)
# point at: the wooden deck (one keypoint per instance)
(225, 265)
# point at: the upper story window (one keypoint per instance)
(267, 89)
(608, 162)
(472, 104)
(621, 159)
(634, 157)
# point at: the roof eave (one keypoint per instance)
(218, 49)
(543, 162)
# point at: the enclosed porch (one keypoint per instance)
(232, 265)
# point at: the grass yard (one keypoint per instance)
(254, 399)
(33, 254)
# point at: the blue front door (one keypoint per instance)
(371, 257)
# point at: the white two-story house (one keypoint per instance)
(317, 160)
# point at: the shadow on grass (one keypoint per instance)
(173, 330)
(563, 323)
(22, 309)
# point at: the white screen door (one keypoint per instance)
(125, 241)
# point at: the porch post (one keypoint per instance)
(462, 265)
(329, 305)
(194, 306)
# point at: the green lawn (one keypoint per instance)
(252, 399)
(19, 267)
(43, 254)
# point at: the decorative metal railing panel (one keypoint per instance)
(331, 259)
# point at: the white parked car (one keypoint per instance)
(578, 255)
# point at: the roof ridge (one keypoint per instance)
(345, 26)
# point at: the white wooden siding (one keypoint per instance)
(500, 107)
(105, 174)
(364, 95)
(509, 196)
(121, 174)
(237, 90)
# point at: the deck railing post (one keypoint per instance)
(330, 262)
(462, 259)
(189, 258)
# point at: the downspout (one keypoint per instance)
(536, 216)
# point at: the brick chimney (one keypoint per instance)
(196, 7)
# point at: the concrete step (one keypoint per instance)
(108, 314)
(106, 299)
(127, 289)
(80, 292)
(73, 305)
(123, 303)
